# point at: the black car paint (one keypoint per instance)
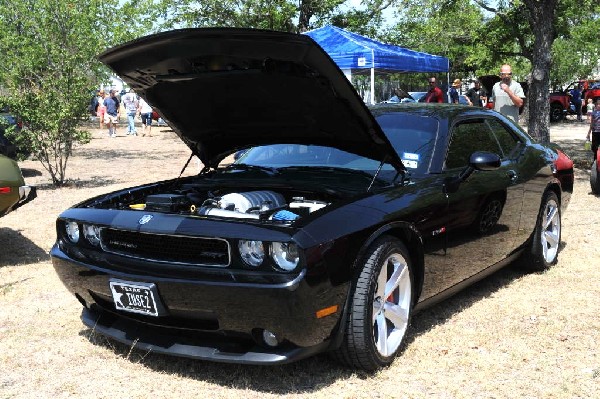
(216, 312)
(332, 241)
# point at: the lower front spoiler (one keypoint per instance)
(142, 338)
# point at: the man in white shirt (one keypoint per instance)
(508, 95)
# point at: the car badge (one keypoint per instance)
(145, 219)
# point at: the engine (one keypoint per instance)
(259, 205)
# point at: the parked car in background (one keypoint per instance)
(14, 193)
(336, 225)
(418, 96)
(561, 103)
(591, 89)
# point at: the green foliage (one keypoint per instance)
(48, 70)
(281, 15)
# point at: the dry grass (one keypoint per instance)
(513, 335)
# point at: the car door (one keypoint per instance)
(483, 210)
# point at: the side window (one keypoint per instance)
(468, 137)
(507, 141)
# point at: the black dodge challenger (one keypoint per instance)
(335, 225)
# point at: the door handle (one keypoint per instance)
(512, 175)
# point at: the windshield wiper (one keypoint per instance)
(372, 178)
(248, 167)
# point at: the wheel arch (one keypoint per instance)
(555, 187)
(408, 234)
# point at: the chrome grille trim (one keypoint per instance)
(131, 240)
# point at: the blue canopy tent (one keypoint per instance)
(351, 51)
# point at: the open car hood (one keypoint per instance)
(223, 89)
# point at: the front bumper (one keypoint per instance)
(219, 320)
(17, 198)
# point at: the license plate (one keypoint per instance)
(135, 297)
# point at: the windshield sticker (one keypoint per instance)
(410, 160)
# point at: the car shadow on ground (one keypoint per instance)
(30, 172)
(306, 376)
(22, 250)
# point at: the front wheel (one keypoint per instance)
(381, 307)
(546, 237)
(556, 113)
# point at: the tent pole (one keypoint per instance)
(372, 77)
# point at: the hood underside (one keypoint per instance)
(223, 89)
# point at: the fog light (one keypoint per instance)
(270, 338)
(72, 229)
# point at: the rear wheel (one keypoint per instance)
(381, 307)
(594, 180)
(546, 237)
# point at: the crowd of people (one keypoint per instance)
(507, 95)
(107, 107)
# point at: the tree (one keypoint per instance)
(529, 29)
(48, 71)
(519, 32)
(283, 15)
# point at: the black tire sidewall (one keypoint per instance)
(362, 302)
(538, 262)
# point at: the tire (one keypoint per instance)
(376, 328)
(556, 113)
(546, 236)
(594, 181)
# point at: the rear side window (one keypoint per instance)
(468, 137)
(508, 142)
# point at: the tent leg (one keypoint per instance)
(372, 85)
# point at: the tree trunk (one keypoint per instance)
(542, 13)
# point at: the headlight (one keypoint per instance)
(252, 252)
(92, 234)
(72, 229)
(285, 255)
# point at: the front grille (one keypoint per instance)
(166, 248)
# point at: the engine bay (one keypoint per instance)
(261, 204)
(282, 205)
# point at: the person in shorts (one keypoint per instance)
(101, 110)
(112, 113)
(145, 112)
(589, 109)
(594, 129)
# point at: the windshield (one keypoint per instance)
(278, 156)
(412, 136)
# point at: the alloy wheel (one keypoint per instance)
(391, 304)
(550, 237)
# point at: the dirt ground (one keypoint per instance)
(513, 335)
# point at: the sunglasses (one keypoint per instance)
(505, 73)
(432, 81)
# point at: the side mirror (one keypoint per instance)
(482, 160)
(479, 160)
